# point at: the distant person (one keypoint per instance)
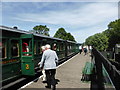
(50, 60)
(25, 47)
(43, 71)
(80, 49)
(43, 48)
(85, 50)
(90, 49)
(54, 47)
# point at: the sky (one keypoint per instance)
(81, 19)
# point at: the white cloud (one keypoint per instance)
(91, 17)
(59, 0)
(91, 14)
(81, 35)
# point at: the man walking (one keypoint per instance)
(50, 60)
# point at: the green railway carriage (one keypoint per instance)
(16, 63)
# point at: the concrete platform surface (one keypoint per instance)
(69, 74)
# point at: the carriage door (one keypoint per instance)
(27, 55)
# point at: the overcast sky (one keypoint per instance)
(81, 19)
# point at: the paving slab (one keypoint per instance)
(68, 74)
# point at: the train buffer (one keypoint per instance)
(68, 74)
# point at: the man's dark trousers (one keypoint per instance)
(50, 76)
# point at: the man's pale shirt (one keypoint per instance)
(80, 47)
(49, 58)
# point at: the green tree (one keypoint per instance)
(111, 36)
(62, 34)
(40, 29)
(70, 37)
(88, 41)
(99, 41)
(113, 33)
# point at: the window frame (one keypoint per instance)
(30, 47)
(18, 42)
(6, 49)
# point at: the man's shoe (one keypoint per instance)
(54, 87)
(44, 81)
(48, 87)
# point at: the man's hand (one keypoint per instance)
(39, 63)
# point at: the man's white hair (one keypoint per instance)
(48, 46)
(43, 47)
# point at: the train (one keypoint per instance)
(18, 61)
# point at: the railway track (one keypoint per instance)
(21, 81)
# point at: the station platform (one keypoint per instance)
(68, 74)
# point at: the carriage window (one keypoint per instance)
(54, 46)
(0, 49)
(14, 48)
(35, 47)
(27, 47)
(3, 49)
(39, 48)
(58, 48)
(61, 47)
(68, 47)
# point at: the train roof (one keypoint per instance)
(27, 32)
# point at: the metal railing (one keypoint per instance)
(97, 78)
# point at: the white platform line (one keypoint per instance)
(30, 82)
(42, 75)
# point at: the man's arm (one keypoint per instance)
(42, 60)
(56, 58)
